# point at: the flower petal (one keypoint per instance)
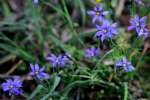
(100, 7)
(100, 18)
(98, 27)
(103, 38)
(124, 60)
(91, 12)
(138, 29)
(105, 13)
(36, 67)
(129, 68)
(5, 86)
(136, 17)
(31, 74)
(119, 63)
(94, 18)
(39, 76)
(42, 69)
(143, 19)
(132, 21)
(130, 27)
(45, 75)
(32, 67)
(106, 23)
(99, 33)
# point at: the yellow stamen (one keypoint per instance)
(137, 24)
(98, 0)
(36, 72)
(104, 30)
(97, 13)
(11, 86)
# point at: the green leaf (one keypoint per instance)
(125, 91)
(56, 83)
(7, 12)
(35, 92)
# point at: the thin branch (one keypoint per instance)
(120, 8)
(14, 67)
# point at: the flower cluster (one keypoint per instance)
(105, 30)
(59, 60)
(13, 86)
(123, 62)
(108, 31)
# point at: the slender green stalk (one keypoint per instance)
(125, 91)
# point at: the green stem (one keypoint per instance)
(125, 91)
(133, 8)
(104, 57)
(71, 25)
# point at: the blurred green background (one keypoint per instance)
(30, 32)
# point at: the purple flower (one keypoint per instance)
(36, 1)
(139, 2)
(137, 23)
(140, 26)
(97, 13)
(38, 72)
(123, 62)
(58, 61)
(91, 52)
(13, 86)
(106, 30)
(143, 32)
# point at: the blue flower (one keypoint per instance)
(36, 1)
(106, 30)
(91, 52)
(127, 65)
(140, 26)
(13, 86)
(58, 61)
(139, 2)
(38, 72)
(137, 23)
(143, 32)
(97, 13)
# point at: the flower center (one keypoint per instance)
(141, 30)
(98, 0)
(36, 73)
(92, 53)
(98, 13)
(124, 64)
(137, 24)
(11, 86)
(104, 30)
(57, 60)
